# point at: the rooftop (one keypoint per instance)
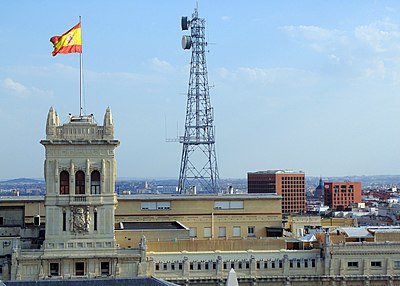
(277, 172)
(136, 281)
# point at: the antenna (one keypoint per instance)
(199, 161)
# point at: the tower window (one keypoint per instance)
(95, 221)
(64, 222)
(80, 268)
(95, 182)
(105, 268)
(64, 183)
(54, 269)
(80, 183)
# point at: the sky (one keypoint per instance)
(298, 85)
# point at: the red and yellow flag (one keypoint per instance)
(69, 42)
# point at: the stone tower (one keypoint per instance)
(80, 201)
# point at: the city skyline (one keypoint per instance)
(308, 86)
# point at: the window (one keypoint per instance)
(376, 263)
(64, 222)
(352, 264)
(95, 220)
(80, 183)
(207, 232)
(155, 205)
(193, 232)
(54, 269)
(1, 220)
(64, 183)
(250, 231)
(228, 205)
(222, 231)
(95, 183)
(80, 268)
(236, 231)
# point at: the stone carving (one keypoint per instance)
(80, 219)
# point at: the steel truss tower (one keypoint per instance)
(199, 162)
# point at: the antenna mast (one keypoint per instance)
(199, 162)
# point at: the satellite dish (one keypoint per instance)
(185, 23)
(186, 42)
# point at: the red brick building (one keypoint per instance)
(341, 194)
(288, 184)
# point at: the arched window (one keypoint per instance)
(64, 183)
(95, 183)
(80, 183)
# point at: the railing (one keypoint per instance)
(79, 198)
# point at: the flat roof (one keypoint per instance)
(214, 197)
(134, 281)
(171, 197)
(277, 172)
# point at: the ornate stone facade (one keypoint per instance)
(80, 202)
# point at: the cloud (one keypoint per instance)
(23, 91)
(381, 36)
(11, 85)
(269, 76)
(161, 66)
(225, 18)
(319, 39)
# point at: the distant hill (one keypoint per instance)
(22, 181)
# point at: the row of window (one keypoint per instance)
(163, 205)
(354, 264)
(307, 263)
(98, 244)
(80, 183)
(54, 268)
(236, 231)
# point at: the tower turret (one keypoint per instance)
(52, 124)
(108, 124)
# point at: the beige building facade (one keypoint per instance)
(188, 239)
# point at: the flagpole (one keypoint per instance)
(81, 77)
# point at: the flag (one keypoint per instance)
(69, 42)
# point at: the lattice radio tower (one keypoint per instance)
(199, 162)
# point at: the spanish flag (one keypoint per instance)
(69, 42)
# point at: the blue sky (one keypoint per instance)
(301, 85)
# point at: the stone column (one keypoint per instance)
(88, 177)
(286, 269)
(253, 271)
(185, 267)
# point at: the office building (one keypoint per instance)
(290, 185)
(340, 195)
